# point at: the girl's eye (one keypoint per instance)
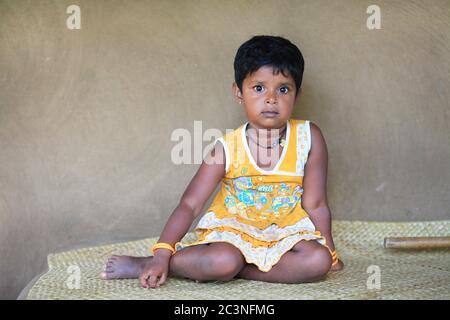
(258, 88)
(284, 89)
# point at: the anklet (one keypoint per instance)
(162, 245)
(335, 258)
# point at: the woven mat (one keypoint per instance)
(423, 274)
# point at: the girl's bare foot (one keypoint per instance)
(338, 266)
(124, 267)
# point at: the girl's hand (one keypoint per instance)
(338, 266)
(155, 272)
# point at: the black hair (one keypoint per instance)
(273, 51)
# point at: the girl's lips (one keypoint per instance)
(269, 114)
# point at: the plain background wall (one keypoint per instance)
(86, 116)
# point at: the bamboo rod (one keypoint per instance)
(417, 242)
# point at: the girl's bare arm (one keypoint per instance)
(314, 198)
(197, 193)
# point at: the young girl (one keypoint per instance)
(270, 221)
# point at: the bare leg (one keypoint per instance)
(129, 267)
(308, 261)
(216, 261)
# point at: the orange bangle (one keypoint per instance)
(162, 245)
(334, 257)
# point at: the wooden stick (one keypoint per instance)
(417, 242)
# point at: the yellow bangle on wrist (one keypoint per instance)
(162, 245)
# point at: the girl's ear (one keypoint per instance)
(237, 93)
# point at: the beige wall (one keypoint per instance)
(86, 115)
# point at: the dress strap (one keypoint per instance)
(303, 145)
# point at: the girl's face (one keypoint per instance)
(268, 99)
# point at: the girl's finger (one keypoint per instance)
(143, 279)
(152, 281)
(162, 279)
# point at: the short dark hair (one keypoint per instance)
(273, 51)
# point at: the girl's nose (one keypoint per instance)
(271, 98)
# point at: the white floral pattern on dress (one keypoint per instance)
(272, 233)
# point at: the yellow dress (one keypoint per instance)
(259, 211)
